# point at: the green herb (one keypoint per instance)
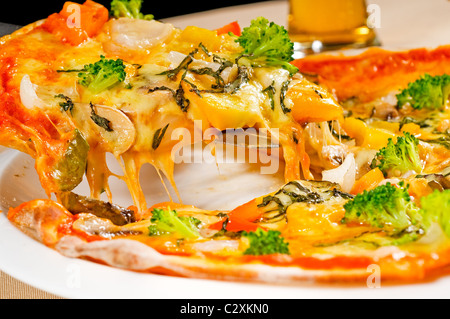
(159, 134)
(407, 120)
(297, 193)
(215, 74)
(70, 70)
(442, 140)
(242, 78)
(270, 90)
(177, 94)
(204, 49)
(100, 121)
(192, 85)
(338, 134)
(283, 91)
(172, 73)
(67, 105)
(318, 93)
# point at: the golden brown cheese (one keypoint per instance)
(137, 111)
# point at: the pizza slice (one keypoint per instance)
(126, 85)
(365, 158)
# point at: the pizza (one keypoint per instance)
(364, 141)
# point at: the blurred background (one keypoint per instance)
(22, 13)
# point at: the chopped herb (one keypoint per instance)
(171, 74)
(71, 70)
(301, 194)
(157, 138)
(192, 85)
(67, 105)
(295, 138)
(283, 91)
(338, 134)
(318, 93)
(276, 205)
(270, 90)
(408, 119)
(443, 140)
(161, 88)
(99, 120)
(210, 72)
(241, 79)
(178, 95)
(181, 100)
(204, 49)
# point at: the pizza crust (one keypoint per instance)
(135, 256)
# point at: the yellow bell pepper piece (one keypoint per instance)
(365, 136)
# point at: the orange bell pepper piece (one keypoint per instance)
(312, 103)
(241, 218)
(76, 23)
(368, 181)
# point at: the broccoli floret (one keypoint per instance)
(399, 157)
(265, 242)
(128, 9)
(436, 208)
(102, 74)
(387, 206)
(266, 43)
(168, 222)
(430, 92)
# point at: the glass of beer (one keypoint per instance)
(320, 25)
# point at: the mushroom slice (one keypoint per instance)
(106, 125)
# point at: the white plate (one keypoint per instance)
(199, 184)
(43, 268)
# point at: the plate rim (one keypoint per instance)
(56, 279)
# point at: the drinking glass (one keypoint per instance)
(321, 25)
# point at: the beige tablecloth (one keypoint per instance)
(11, 288)
(404, 24)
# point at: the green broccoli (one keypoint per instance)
(168, 222)
(430, 92)
(102, 74)
(268, 44)
(436, 208)
(265, 242)
(128, 9)
(387, 206)
(390, 208)
(399, 157)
